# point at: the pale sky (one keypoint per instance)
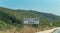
(48, 6)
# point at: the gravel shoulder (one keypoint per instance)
(49, 31)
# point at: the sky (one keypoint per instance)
(48, 6)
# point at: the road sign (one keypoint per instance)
(31, 20)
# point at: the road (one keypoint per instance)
(57, 31)
(50, 31)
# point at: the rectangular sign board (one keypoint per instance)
(31, 20)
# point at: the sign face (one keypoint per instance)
(31, 21)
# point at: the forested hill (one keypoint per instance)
(12, 18)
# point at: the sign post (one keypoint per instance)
(31, 21)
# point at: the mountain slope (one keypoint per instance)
(14, 18)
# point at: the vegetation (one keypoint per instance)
(10, 18)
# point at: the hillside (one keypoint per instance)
(10, 18)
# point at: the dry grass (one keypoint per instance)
(8, 31)
(25, 29)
